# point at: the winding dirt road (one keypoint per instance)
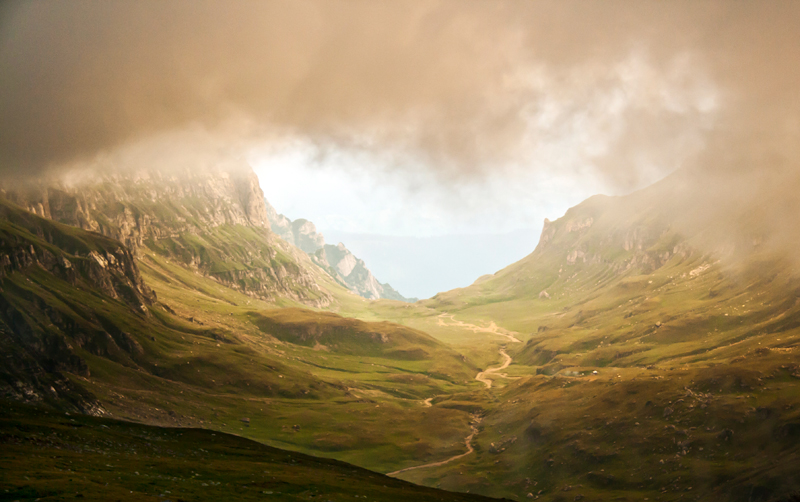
(467, 442)
(481, 377)
(491, 328)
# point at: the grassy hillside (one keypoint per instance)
(696, 389)
(213, 219)
(644, 364)
(337, 395)
(202, 355)
(332, 332)
(52, 456)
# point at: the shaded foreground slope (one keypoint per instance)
(51, 456)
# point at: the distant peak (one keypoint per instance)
(338, 261)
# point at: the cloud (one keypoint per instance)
(463, 87)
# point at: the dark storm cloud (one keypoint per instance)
(445, 81)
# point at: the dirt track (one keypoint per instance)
(467, 441)
(481, 377)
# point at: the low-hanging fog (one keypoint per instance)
(406, 121)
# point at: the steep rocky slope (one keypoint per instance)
(212, 219)
(348, 270)
(353, 273)
(51, 277)
(80, 331)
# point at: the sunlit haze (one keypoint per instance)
(400, 250)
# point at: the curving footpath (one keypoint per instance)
(481, 377)
(491, 328)
(468, 442)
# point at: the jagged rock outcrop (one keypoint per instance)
(49, 273)
(29, 241)
(306, 236)
(279, 224)
(133, 207)
(348, 270)
(353, 273)
(604, 230)
(300, 233)
(213, 219)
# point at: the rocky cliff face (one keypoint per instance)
(597, 242)
(213, 219)
(50, 274)
(136, 206)
(594, 233)
(300, 233)
(353, 273)
(348, 270)
(29, 241)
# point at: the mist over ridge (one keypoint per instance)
(592, 207)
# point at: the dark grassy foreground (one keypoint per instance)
(46, 455)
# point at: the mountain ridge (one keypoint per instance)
(347, 269)
(638, 361)
(659, 339)
(213, 219)
(203, 354)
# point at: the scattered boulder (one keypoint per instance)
(725, 434)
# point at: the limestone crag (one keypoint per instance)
(590, 234)
(306, 236)
(300, 233)
(279, 224)
(213, 219)
(348, 270)
(147, 204)
(111, 269)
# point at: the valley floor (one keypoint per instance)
(679, 384)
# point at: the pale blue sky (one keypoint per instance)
(588, 130)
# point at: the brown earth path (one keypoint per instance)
(467, 442)
(481, 377)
